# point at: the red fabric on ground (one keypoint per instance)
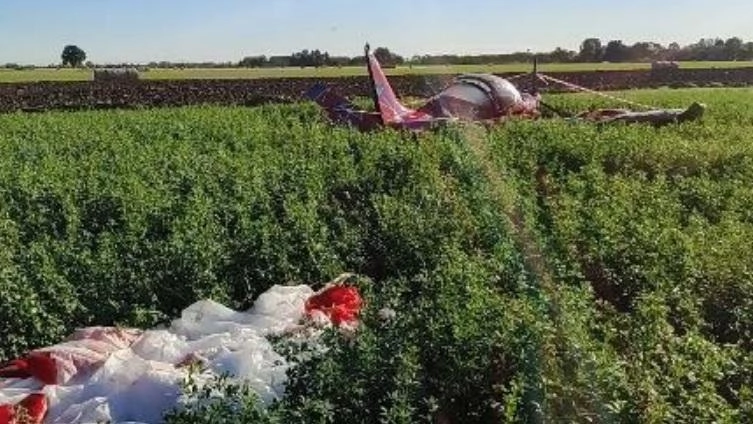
(84, 351)
(33, 408)
(6, 414)
(341, 304)
(36, 364)
(42, 367)
(16, 368)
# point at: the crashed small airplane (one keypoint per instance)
(484, 98)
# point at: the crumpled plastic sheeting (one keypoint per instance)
(138, 383)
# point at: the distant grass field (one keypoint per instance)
(247, 73)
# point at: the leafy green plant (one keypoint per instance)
(537, 272)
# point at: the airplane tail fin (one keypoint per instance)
(385, 100)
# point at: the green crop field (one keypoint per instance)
(539, 271)
(45, 74)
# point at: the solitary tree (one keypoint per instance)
(388, 58)
(73, 55)
(733, 48)
(615, 51)
(591, 50)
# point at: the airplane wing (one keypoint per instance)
(323, 95)
(341, 110)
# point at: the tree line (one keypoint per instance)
(706, 49)
(590, 50)
(317, 58)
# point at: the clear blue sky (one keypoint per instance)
(35, 31)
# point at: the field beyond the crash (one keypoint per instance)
(67, 74)
(539, 272)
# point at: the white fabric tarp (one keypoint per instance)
(122, 375)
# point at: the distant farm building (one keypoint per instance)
(664, 64)
(116, 74)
